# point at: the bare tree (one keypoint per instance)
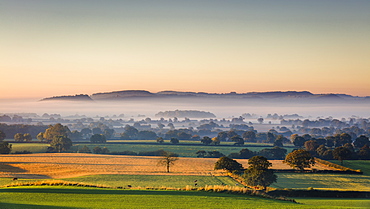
(168, 159)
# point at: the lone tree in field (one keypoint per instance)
(168, 159)
(228, 164)
(61, 143)
(299, 159)
(258, 173)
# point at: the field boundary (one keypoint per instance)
(338, 168)
(319, 193)
(211, 188)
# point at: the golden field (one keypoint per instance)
(66, 165)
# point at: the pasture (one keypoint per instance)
(176, 181)
(32, 147)
(351, 182)
(48, 197)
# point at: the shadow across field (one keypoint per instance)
(101, 191)
(22, 206)
(11, 169)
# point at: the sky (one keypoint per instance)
(52, 47)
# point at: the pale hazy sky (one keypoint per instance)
(63, 47)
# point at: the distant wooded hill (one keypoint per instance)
(185, 113)
(275, 95)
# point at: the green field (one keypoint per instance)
(350, 182)
(153, 180)
(47, 197)
(34, 148)
(173, 181)
(335, 202)
(181, 150)
(363, 165)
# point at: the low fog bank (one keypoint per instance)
(221, 108)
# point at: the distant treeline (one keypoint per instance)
(186, 113)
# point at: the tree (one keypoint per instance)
(56, 130)
(40, 136)
(131, 132)
(299, 141)
(341, 154)
(5, 148)
(108, 133)
(311, 146)
(149, 135)
(160, 140)
(98, 138)
(278, 142)
(84, 149)
(361, 141)
(228, 164)
(201, 153)
(275, 153)
(61, 143)
(260, 120)
(239, 141)
(99, 150)
(2, 136)
(86, 132)
(75, 135)
(18, 137)
(249, 136)
(216, 141)
(174, 140)
(364, 153)
(222, 135)
(246, 153)
(27, 137)
(168, 159)
(206, 140)
(299, 159)
(258, 173)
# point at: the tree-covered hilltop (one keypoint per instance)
(77, 97)
(185, 113)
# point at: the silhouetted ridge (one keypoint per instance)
(250, 96)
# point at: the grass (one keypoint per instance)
(349, 182)
(181, 150)
(363, 165)
(335, 202)
(139, 180)
(153, 180)
(77, 197)
(34, 148)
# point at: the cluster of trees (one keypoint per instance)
(14, 119)
(22, 137)
(275, 153)
(13, 129)
(344, 147)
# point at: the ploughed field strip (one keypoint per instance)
(66, 165)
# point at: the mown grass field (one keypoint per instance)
(46, 197)
(34, 148)
(335, 202)
(154, 180)
(350, 182)
(363, 165)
